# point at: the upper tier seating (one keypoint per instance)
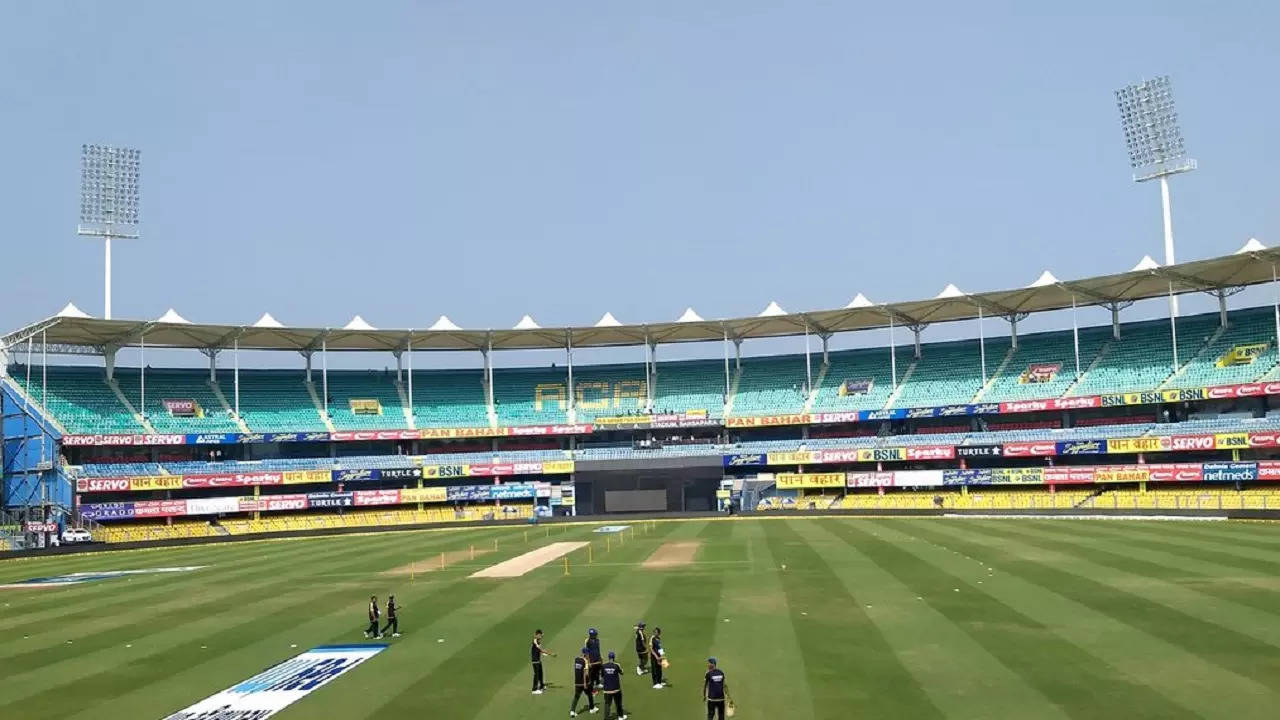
(1143, 356)
(950, 373)
(1017, 381)
(364, 385)
(275, 400)
(80, 399)
(170, 384)
(449, 398)
(946, 373)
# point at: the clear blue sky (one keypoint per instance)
(486, 159)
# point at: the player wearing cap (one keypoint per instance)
(642, 650)
(593, 656)
(715, 691)
(536, 651)
(611, 673)
(656, 654)
(581, 686)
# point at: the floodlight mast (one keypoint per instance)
(108, 201)
(1156, 150)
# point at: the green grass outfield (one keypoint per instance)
(873, 618)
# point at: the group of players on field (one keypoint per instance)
(591, 672)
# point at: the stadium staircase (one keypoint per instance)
(1168, 382)
(137, 416)
(817, 385)
(1088, 500)
(906, 377)
(1102, 352)
(319, 406)
(226, 406)
(405, 408)
(995, 375)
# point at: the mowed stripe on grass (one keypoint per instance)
(1054, 619)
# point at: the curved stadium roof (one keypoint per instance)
(1253, 264)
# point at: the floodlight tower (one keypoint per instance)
(1154, 141)
(108, 200)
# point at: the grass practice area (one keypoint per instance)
(809, 618)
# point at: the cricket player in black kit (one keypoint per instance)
(593, 655)
(655, 658)
(714, 690)
(611, 673)
(536, 651)
(642, 650)
(374, 615)
(581, 686)
(393, 617)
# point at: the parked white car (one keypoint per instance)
(76, 535)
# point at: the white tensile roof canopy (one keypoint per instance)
(1251, 265)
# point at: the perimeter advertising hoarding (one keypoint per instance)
(795, 481)
(424, 495)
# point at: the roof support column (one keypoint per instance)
(737, 354)
(1173, 326)
(648, 377)
(399, 356)
(1013, 331)
(726, 367)
(568, 352)
(109, 359)
(142, 375)
(213, 364)
(235, 372)
(1275, 303)
(306, 357)
(982, 347)
(826, 359)
(408, 349)
(916, 329)
(893, 355)
(1075, 335)
(808, 365)
(1115, 321)
(1222, 308)
(324, 373)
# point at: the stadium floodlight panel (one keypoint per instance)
(1152, 135)
(109, 185)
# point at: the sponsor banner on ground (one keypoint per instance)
(1230, 472)
(108, 511)
(82, 440)
(84, 577)
(917, 478)
(303, 477)
(1029, 449)
(331, 499)
(1017, 476)
(1231, 441)
(1121, 474)
(283, 502)
(213, 506)
(1081, 447)
(376, 497)
(278, 687)
(768, 420)
(232, 480)
(1139, 444)
(744, 460)
(366, 475)
(424, 495)
(1066, 475)
(369, 435)
(1176, 472)
(795, 481)
(869, 479)
(970, 451)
